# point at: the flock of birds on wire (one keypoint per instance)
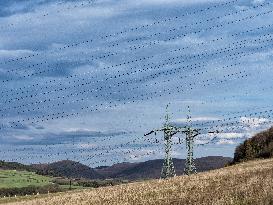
(23, 100)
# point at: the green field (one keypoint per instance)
(248, 183)
(19, 179)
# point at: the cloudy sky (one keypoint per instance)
(85, 80)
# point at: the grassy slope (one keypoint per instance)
(18, 179)
(246, 183)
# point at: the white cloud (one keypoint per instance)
(200, 142)
(230, 135)
(181, 2)
(86, 145)
(15, 53)
(136, 155)
(258, 1)
(225, 141)
(78, 130)
(253, 122)
(23, 137)
(196, 119)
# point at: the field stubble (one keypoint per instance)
(247, 183)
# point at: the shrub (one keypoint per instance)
(259, 146)
(52, 188)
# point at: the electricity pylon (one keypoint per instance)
(190, 135)
(189, 165)
(169, 131)
(168, 166)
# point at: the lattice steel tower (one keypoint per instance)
(169, 131)
(168, 167)
(190, 135)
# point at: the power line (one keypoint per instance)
(142, 97)
(169, 61)
(128, 30)
(112, 54)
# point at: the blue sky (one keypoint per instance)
(84, 80)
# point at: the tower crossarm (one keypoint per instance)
(154, 131)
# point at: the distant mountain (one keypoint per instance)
(114, 170)
(15, 166)
(131, 171)
(152, 169)
(67, 168)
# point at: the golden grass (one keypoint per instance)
(247, 183)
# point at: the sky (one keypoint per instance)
(85, 80)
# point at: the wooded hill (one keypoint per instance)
(259, 146)
(150, 169)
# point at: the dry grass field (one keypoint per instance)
(247, 183)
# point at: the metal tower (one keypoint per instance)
(169, 131)
(190, 135)
(168, 167)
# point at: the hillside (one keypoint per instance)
(67, 168)
(259, 146)
(19, 179)
(245, 183)
(21, 183)
(151, 169)
(132, 171)
(15, 166)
